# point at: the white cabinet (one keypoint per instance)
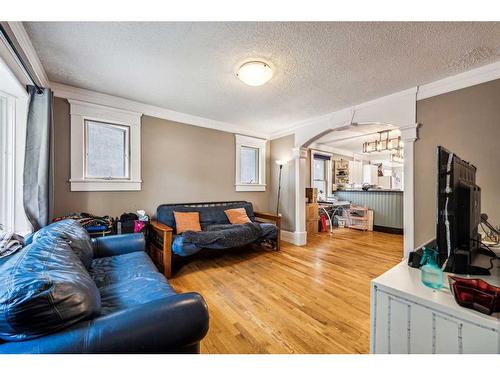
(355, 172)
(407, 317)
(370, 174)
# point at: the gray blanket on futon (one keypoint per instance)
(224, 236)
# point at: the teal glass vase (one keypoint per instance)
(432, 275)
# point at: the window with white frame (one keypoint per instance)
(321, 173)
(13, 112)
(105, 148)
(250, 163)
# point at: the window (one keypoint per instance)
(319, 177)
(13, 112)
(250, 164)
(321, 174)
(105, 148)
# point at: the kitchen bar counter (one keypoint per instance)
(373, 190)
(387, 206)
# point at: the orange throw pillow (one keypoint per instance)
(237, 216)
(185, 221)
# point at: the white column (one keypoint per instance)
(300, 235)
(409, 136)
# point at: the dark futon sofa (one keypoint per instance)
(62, 293)
(166, 242)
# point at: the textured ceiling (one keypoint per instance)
(319, 67)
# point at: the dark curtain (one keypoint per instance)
(37, 162)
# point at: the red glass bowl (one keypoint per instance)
(475, 294)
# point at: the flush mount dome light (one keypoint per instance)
(255, 73)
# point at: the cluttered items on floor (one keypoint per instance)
(94, 225)
(106, 225)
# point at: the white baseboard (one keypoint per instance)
(296, 238)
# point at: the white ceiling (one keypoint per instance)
(319, 67)
(352, 139)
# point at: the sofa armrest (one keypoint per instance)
(160, 247)
(271, 217)
(170, 325)
(160, 226)
(119, 244)
(268, 216)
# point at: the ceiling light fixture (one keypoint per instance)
(384, 143)
(255, 73)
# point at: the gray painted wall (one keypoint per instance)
(180, 163)
(467, 122)
(282, 149)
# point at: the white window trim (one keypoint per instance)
(81, 111)
(12, 147)
(242, 140)
(329, 174)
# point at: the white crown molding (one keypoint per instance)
(459, 81)
(70, 92)
(25, 42)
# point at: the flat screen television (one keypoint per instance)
(458, 214)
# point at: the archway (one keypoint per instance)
(398, 111)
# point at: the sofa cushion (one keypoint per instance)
(237, 216)
(210, 213)
(44, 288)
(128, 280)
(185, 221)
(74, 234)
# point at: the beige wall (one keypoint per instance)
(180, 163)
(467, 122)
(282, 149)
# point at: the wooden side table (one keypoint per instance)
(160, 247)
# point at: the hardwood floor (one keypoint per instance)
(310, 299)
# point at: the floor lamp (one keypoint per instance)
(280, 163)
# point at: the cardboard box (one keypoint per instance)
(312, 211)
(312, 226)
(312, 195)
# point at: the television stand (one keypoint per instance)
(408, 317)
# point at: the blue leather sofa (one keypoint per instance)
(63, 293)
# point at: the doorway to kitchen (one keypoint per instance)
(356, 181)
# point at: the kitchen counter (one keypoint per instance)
(387, 206)
(373, 190)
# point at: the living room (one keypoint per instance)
(277, 187)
